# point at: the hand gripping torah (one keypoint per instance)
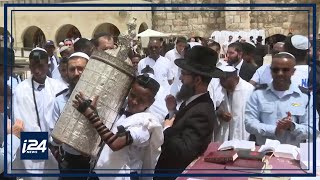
(106, 135)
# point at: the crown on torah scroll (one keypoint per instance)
(125, 39)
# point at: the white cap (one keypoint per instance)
(80, 54)
(287, 54)
(40, 49)
(300, 42)
(61, 43)
(229, 70)
(194, 44)
(63, 48)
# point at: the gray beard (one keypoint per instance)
(185, 93)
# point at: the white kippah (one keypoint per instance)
(300, 42)
(63, 48)
(287, 54)
(40, 49)
(80, 54)
(227, 68)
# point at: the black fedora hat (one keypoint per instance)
(10, 58)
(259, 38)
(201, 60)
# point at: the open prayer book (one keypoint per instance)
(237, 145)
(280, 150)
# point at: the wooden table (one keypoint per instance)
(199, 166)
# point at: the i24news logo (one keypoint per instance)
(34, 145)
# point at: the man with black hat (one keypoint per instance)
(261, 51)
(189, 130)
(33, 103)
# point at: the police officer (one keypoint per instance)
(280, 110)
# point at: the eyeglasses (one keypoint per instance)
(276, 70)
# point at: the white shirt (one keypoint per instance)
(301, 75)
(235, 104)
(161, 68)
(216, 92)
(24, 109)
(173, 55)
(56, 74)
(55, 61)
(225, 46)
(146, 132)
(238, 67)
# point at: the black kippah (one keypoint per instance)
(148, 82)
(38, 55)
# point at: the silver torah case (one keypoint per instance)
(110, 78)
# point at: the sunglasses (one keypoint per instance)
(276, 70)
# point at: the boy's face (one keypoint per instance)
(39, 69)
(139, 98)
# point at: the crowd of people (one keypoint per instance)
(184, 96)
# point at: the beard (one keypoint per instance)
(185, 92)
(73, 82)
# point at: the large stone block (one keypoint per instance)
(220, 20)
(286, 25)
(168, 22)
(244, 19)
(229, 19)
(178, 15)
(179, 22)
(171, 16)
(236, 19)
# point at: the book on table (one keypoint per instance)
(221, 157)
(237, 145)
(280, 150)
(245, 165)
(252, 155)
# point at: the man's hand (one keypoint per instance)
(284, 124)
(80, 98)
(17, 128)
(169, 122)
(171, 102)
(225, 116)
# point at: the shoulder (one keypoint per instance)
(24, 84)
(304, 90)
(62, 92)
(261, 87)
(56, 85)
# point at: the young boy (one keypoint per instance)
(134, 140)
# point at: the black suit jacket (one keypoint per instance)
(188, 137)
(247, 70)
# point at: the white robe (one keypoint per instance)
(128, 158)
(235, 104)
(24, 109)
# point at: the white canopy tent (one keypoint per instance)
(151, 33)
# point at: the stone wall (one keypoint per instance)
(188, 20)
(274, 20)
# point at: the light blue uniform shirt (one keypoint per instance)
(59, 104)
(265, 109)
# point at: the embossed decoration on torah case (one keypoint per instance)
(110, 78)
